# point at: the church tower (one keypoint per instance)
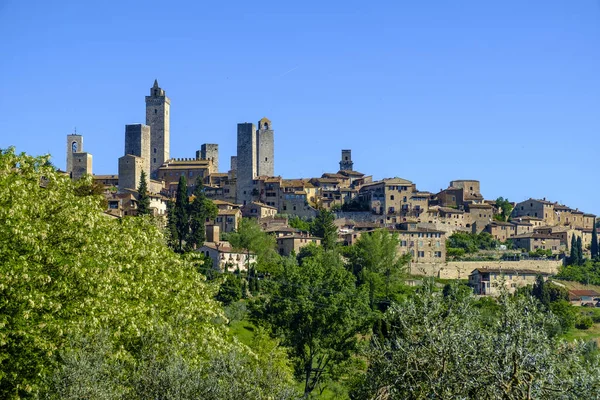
(346, 163)
(158, 108)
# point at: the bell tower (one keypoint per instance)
(158, 107)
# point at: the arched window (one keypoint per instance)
(266, 126)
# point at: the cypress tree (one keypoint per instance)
(594, 246)
(200, 210)
(579, 251)
(573, 256)
(143, 198)
(180, 211)
(171, 226)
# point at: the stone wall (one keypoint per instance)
(358, 216)
(130, 169)
(210, 151)
(265, 153)
(158, 106)
(74, 145)
(462, 269)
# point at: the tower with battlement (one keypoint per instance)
(209, 151)
(346, 163)
(158, 107)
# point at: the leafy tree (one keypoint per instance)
(86, 186)
(318, 311)
(200, 210)
(171, 231)
(251, 238)
(594, 245)
(298, 223)
(439, 348)
(88, 370)
(375, 262)
(67, 271)
(230, 290)
(505, 208)
(324, 228)
(143, 198)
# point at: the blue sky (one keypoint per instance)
(506, 92)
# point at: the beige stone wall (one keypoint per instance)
(462, 269)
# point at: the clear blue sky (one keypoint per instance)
(506, 92)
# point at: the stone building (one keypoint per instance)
(389, 197)
(535, 241)
(255, 157)
(193, 169)
(489, 281)
(424, 245)
(158, 106)
(209, 151)
(225, 258)
(258, 210)
(286, 244)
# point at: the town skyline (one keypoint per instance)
(515, 110)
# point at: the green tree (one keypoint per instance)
(143, 198)
(440, 348)
(180, 213)
(252, 239)
(574, 255)
(594, 245)
(318, 311)
(298, 223)
(66, 272)
(505, 208)
(375, 262)
(86, 186)
(200, 210)
(580, 259)
(324, 228)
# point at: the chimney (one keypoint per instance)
(212, 233)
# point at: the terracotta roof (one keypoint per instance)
(229, 212)
(222, 202)
(450, 210)
(584, 292)
(286, 229)
(223, 247)
(474, 205)
(332, 175)
(534, 236)
(350, 173)
(262, 205)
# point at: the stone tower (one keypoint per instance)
(74, 145)
(158, 108)
(265, 148)
(79, 163)
(209, 151)
(246, 161)
(346, 163)
(136, 158)
(255, 156)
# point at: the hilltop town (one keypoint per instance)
(250, 188)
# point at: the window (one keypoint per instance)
(392, 197)
(421, 254)
(154, 160)
(437, 254)
(155, 111)
(155, 150)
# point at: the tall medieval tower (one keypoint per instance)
(158, 106)
(255, 157)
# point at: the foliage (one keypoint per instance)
(179, 214)
(159, 370)
(539, 252)
(230, 290)
(251, 238)
(594, 245)
(375, 262)
(86, 186)
(580, 259)
(143, 198)
(324, 228)
(439, 347)
(471, 242)
(356, 205)
(318, 311)
(66, 269)
(455, 253)
(584, 322)
(200, 210)
(298, 223)
(586, 273)
(505, 208)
